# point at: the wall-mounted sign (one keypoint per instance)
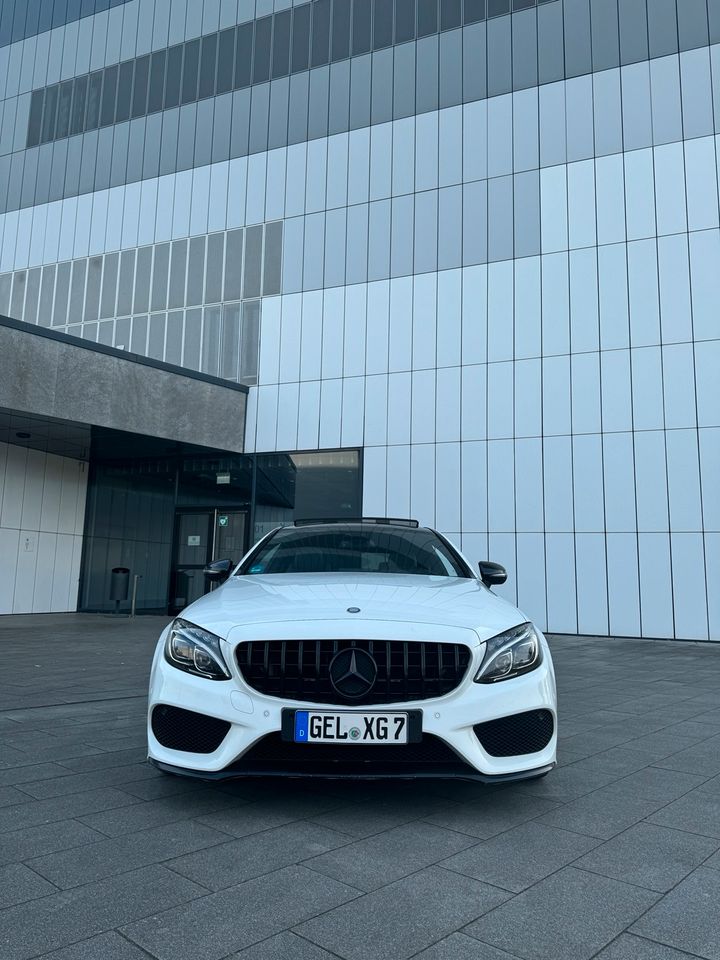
(223, 521)
(222, 478)
(193, 541)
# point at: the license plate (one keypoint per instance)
(348, 728)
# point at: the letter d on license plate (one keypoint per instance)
(350, 728)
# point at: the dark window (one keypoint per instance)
(208, 63)
(107, 109)
(382, 24)
(474, 10)
(49, 114)
(124, 93)
(692, 23)
(92, 117)
(427, 18)
(301, 38)
(263, 39)
(341, 30)
(522, 4)
(77, 115)
(35, 121)
(605, 35)
(243, 55)
(496, 8)
(663, 28)
(320, 33)
(404, 20)
(190, 71)
(157, 81)
(450, 14)
(140, 90)
(226, 61)
(174, 74)
(281, 44)
(633, 31)
(63, 115)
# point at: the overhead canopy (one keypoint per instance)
(58, 386)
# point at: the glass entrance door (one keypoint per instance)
(202, 536)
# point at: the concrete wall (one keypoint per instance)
(42, 511)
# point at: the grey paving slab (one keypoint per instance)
(284, 946)
(519, 858)
(375, 815)
(105, 946)
(45, 838)
(650, 856)
(35, 812)
(378, 860)
(43, 925)
(240, 819)
(458, 946)
(10, 796)
(80, 782)
(498, 813)
(629, 947)
(696, 812)
(687, 918)
(569, 916)
(12, 776)
(404, 917)
(106, 858)
(225, 922)
(154, 813)
(702, 758)
(235, 861)
(654, 783)
(602, 814)
(19, 883)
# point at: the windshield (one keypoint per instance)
(356, 549)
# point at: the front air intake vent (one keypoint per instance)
(517, 734)
(185, 730)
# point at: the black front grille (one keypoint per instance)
(517, 734)
(276, 752)
(179, 729)
(299, 669)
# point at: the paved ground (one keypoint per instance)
(616, 855)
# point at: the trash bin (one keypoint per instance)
(119, 583)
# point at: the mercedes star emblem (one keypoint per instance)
(353, 673)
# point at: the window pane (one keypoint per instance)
(427, 17)
(208, 61)
(226, 60)
(250, 340)
(160, 277)
(156, 338)
(263, 35)
(63, 114)
(77, 114)
(450, 14)
(142, 280)
(62, 289)
(138, 341)
(340, 30)
(382, 24)
(174, 339)
(125, 286)
(320, 32)
(253, 261)
(107, 111)
(109, 286)
(474, 10)
(36, 108)
(174, 73)
(196, 271)
(301, 38)
(49, 114)
(193, 328)
(46, 296)
(157, 81)
(230, 341)
(281, 44)
(92, 296)
(124, 95)
(92, 118)
(140, 90)
(496, 8)
(243, 55)
(32, 296)
(273, 258)
(77, 291)
(233, 265)
(211, 340)
(404, 20)
(362, 27)
(177, 274)
(215, 259)
(190, 71)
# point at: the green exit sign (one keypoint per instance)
(223, 521)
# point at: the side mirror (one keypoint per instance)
(218, 570)
(492, 574)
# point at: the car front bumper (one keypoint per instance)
(448, 724)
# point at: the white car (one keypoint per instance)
(363, 648)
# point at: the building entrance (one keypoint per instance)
(202, 536)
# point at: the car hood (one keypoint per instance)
(294, 599)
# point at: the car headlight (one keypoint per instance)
(196, 651)
(509, 654)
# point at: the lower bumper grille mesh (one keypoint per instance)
(516, 735)
(179, 729)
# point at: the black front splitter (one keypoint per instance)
(315, 771)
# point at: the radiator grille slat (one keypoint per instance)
(298, 670)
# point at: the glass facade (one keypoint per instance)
(478, 239)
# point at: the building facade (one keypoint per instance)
(471, 245)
